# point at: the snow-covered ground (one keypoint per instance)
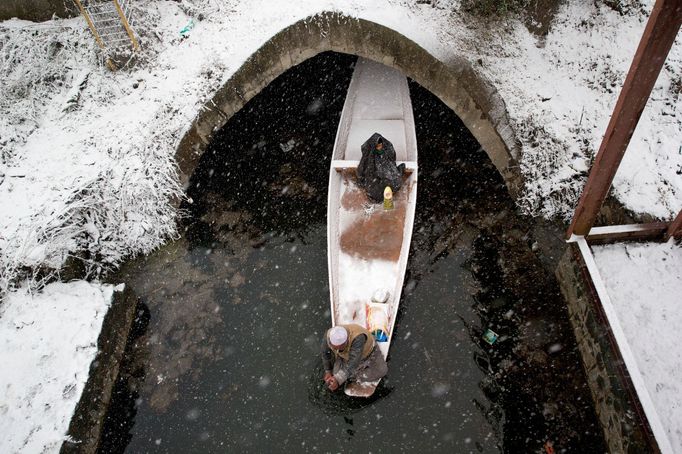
(47, 342)
(644, 283)
(560, 97)
(87, 167)
(91, 169)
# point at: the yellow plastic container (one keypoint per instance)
(388, 198)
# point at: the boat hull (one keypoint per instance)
(368, 245)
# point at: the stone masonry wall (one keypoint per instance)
(87, 422)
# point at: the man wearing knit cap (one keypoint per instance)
(349, 353)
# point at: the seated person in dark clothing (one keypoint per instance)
(350, 353)
(377, 168)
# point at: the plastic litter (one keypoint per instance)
(380, 296)
(377, 321)
(388, 198)
(549, 447)
(490, 336)
(184, 32)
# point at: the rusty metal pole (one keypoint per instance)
(675, 228)
(658, 38)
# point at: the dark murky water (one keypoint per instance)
(225, 353)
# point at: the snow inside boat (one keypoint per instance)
(368, 246)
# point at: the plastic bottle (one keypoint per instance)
(377, 321)
(388, 198)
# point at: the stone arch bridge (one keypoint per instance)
(455, 82)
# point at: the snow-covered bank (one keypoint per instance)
(644, 283)
(92, 169)
(47, 342)
(562, 91)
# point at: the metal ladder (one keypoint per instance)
(110, 22)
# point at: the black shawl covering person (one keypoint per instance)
(377, 168)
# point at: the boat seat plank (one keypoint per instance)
(341, 164)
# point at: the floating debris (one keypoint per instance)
(490, 336)
(549, 447)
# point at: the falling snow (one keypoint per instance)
(87, 156)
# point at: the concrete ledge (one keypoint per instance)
(455, 82)
(86, 424)
(620, 413)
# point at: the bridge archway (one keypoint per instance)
(455, 82)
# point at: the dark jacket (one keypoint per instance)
(347, 369)
(378, 169)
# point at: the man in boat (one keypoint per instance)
(349, 352)
(377, 168)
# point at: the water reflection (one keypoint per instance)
(229, 359)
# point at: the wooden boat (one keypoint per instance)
(367, 245)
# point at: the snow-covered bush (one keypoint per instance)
(36, 61)
(494, 7)
(625, 6)
(204, 9)
(118, 212)
(70, 184)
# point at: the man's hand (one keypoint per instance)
(330, 381)
(332, 384)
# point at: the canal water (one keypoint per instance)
(224, 356)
